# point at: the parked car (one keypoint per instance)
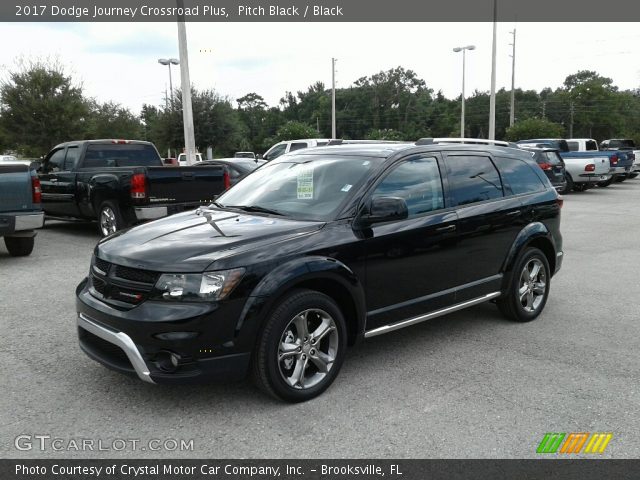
(559, 144)
(20, 210)
(551, 163)
(120, 183)
(316, 251)
(182, 159)
(237, 168)
(245, 155)
(627, 145)
(6, 159)
(292, 145)
(583, 170)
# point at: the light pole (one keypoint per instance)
(492, 95)
(512, 110)
(333, 98)
(169, 62)
(464, 51)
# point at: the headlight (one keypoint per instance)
(199, 287)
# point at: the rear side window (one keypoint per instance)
(418, 182)
(518, 176)
(72, 157)
(275, 152)
(573, 146)
(121, 155)
(472, 179)
(297, 146)
(592, 145)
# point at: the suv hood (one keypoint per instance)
(192, 241)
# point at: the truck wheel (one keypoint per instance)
(620, 178)
(109, 219)
(19, 246)
(569, 186)
(528, 290)
(632, 175)
(579, 187)
(302, 347)
(606, 183)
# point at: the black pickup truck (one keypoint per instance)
(121, 182)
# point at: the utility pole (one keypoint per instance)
(492, 98)
(187, 109)
(512, 111)
(333, 98)
(571, 110)
(544, 109)
(464, 51)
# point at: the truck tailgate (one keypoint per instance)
(194, 184)
(15, 188)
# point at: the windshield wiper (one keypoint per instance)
(254, 208)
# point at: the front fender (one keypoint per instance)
(322, 273)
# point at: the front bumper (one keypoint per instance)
(133, 341)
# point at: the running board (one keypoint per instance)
(421, 318)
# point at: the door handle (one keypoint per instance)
(53, 180)
(450, 228)
(514, 213)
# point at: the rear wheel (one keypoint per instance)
(632, 175)
(620, 178)
(302, 347)
(569, 186)
(109, 219)
(579, 187)
(606, 183)
(19, 246)
(528, 290)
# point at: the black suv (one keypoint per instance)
(318, 250)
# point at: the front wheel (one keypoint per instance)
(528, 290)
(19, 246)
(302, 347)
(569, 185)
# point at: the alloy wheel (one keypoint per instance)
(533, 285)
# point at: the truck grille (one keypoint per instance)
(117, 284)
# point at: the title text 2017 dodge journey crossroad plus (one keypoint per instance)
(315, 251)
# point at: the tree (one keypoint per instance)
(110, 120)
(40, 106)
(293, 130)
(534, 128)
(252, 111)
(385, 134)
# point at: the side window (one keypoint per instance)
(418, 182)
(55, 162)
(276, 152)
(518, 176)
(73, 153)
(592, 145)
(472, 178)
(297, 146)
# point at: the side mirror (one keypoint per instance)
(260, 157)
(386, 209)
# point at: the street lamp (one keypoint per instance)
(463, 50)
(169, 62)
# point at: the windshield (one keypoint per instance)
(621, 144)
(552, 158)
(310, 187)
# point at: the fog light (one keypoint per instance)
(167, 361)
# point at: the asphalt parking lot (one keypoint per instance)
(468, 385)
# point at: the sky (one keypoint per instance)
(118, 61)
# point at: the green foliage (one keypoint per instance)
(40, 106)
(110, 120)
(534, 128)
(384, 134)
(293, 130)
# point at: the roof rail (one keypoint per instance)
(477, 141)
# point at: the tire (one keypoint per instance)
(620, 178)
(109, 218)
(19, 246)
(606, 183)
(579, 187)
(632, 175)
(297, 374)
(569, 186)
(526, 307)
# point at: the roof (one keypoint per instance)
(104, 141)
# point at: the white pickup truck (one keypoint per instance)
(583, 172)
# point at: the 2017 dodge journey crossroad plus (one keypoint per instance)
(316, 251)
